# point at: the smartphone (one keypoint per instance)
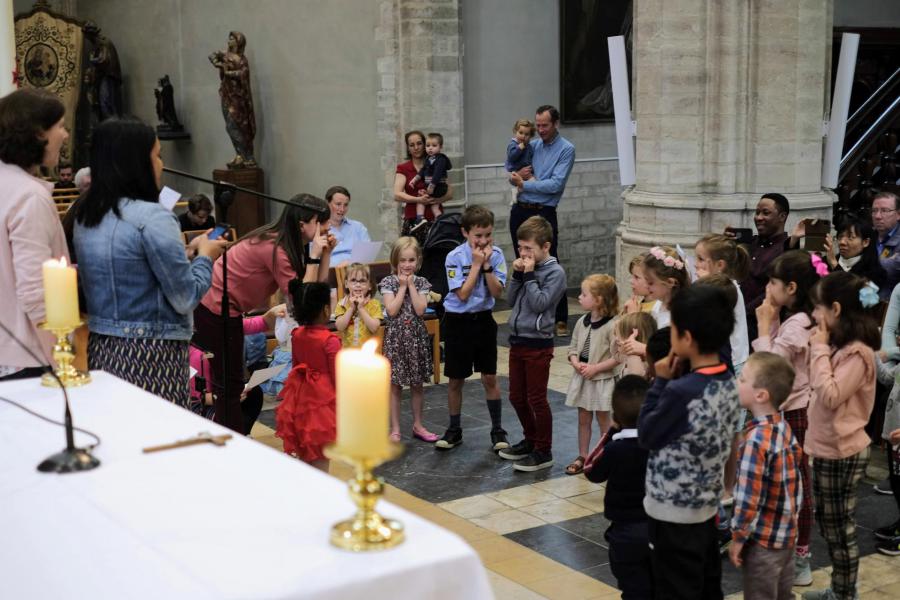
(222, 230)
(817, 231)
(742, 235)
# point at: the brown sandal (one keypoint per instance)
(576, 466)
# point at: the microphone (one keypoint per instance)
(71, 459)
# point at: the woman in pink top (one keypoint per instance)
(785, 324)
(263, 261)
(842, 379)
(32, 132)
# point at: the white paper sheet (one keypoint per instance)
(168, 197)
(262, 375)
(365, 252)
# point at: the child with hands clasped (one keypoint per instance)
(406, 341)
(305, 420)
(639, 289)
(768, 491)
(591, 356)
(476, 275)
(537, 284)
(842, 379)
(784, 322)
(688, 423)
(358, 314)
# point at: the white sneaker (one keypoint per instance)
(802, 572)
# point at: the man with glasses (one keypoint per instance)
(884, 220)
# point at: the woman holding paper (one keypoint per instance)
(32, 132)
(141, 289)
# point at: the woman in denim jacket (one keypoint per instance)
(141, 288)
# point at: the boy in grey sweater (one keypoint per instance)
(538, 283)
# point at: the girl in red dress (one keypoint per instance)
(305, 419)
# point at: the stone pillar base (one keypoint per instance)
(652, 219)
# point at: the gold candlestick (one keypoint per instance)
(367, 530)
(63, 355)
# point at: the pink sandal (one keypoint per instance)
(426, 436)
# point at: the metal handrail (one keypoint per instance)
(870, 137)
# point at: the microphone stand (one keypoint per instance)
(71, 459)
(226, 198)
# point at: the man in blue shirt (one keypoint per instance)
(476, 275)
(542, 185)
(346, 231)
(885, 221)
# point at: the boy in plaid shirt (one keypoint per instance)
(768, 492)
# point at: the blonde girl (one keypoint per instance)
(720, 255)
(590, 354)
(358, 314)
(842, 379)
(406, 342)
(638, 327)
(638, 287)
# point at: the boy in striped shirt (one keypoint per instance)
(767, 495)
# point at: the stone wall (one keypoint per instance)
(588, 214)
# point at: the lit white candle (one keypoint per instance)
(60, 294)
(363, 390)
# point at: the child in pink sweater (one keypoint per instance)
(842, 379)
(785, 324)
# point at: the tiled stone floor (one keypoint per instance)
(540, 535)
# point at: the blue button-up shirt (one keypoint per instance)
(347, 235)
(551, 165)
(458, 265)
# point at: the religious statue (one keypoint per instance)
(105, 74)
(237, 99)
(165, 106)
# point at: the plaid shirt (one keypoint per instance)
(768, 493)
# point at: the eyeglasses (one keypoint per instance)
(883, 211)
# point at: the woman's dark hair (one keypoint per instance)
(796, 266)
(854, 322)
(24, 115)
(408, 135)
(286, 229)
(868, 266)
(120, 168)
(308, 300)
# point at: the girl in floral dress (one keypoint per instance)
(406, 342)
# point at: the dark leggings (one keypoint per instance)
(893, 461)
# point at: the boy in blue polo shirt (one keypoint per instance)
(476, 274)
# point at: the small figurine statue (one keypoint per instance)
(106, 74)
(237, 99)
(165, 106)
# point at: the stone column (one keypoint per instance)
(729, 98)
(421, 88)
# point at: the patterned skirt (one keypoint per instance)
(157, 366)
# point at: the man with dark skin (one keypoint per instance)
(768, 244)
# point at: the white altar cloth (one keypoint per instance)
(239, 521)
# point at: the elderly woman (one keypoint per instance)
(31, 135)
(415, 194)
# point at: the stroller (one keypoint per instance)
(444, 235)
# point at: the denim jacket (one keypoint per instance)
(136, 276)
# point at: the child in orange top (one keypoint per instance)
(305, 419)
(842, 379)
(358, 314)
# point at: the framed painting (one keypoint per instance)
(585, 85)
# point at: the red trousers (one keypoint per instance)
(529, 370)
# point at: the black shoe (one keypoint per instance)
(517, 451)
(452, 438)
(418, 226)
(498, 439)
(889, 532)
(535, 461)
(883, 488)
(890, 547)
